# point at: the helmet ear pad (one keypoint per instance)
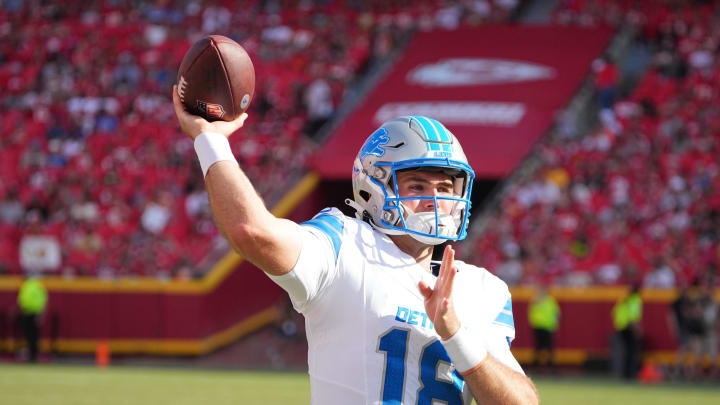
(369, 193)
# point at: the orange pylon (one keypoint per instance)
(102, 354)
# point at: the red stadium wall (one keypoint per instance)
(174, 322)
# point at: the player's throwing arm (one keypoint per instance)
(268, 242)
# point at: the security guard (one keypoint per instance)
(544, 317)
(627, 315)
(32, 300)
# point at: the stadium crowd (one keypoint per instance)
(637, 200)
(96, 178)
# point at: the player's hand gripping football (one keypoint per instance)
(194, 125)
(438, 301)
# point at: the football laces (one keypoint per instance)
(181, 88)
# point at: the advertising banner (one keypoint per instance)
(497, 88)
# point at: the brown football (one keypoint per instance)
(216, 79)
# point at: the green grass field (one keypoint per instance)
(78, 385)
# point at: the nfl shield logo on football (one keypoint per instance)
(211, 110)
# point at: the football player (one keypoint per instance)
(385, 324)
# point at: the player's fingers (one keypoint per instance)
(240, 121)
(179, 109)
(446, 255)
(448, 287)
(235, 124)
(447, 270)
(425, 290)
(443, 266)
(175, 97)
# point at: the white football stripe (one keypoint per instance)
(181, 88)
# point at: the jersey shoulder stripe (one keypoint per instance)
(332, 225)
(505, 318)
(331, 220)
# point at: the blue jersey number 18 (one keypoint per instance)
(394, 343)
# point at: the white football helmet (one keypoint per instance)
(411, 143)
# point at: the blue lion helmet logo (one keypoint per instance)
(373, 146)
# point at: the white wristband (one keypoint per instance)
(210, 148)
(465, 350)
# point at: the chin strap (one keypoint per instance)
(362, 214)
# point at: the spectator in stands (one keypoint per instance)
(319, 105)
(607, 78)
(711, 318)
(544, 317)
(156, 215)
(448, 17)
(196, 202)
(690, 309)
(216, 18)
(606, 81)
(11, 209)
(85, 210)
(84, 247)
(668, 62)
(32, 300)
(627, 318)
(678, 325)
(662, 276)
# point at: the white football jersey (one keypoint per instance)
(370, 340)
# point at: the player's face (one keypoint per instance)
(426, 184)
